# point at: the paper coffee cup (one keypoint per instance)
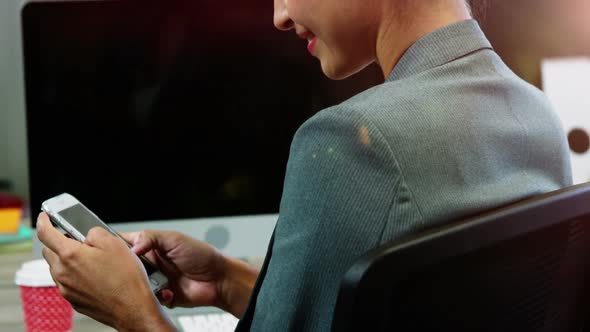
(43, 306)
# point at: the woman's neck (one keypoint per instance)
(400, 30)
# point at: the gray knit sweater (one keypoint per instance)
(452, 132)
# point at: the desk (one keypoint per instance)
(11, 314)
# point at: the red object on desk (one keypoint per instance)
(10, 201)
(46, 310)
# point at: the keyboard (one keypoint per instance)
(212, 322)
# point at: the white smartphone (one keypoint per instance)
(76, 220)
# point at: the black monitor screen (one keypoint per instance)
(155, 110)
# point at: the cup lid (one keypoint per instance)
(34, 274)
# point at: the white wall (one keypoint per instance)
(13, 154)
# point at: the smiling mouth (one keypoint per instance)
(311, 44)
(311, 40)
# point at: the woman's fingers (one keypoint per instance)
(130, 237)
(160, 241)
(52, 238)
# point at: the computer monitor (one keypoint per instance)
(167, 110)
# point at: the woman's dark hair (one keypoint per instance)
(478, 8)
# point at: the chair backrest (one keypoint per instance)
(523, 267)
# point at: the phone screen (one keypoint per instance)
(84, 220)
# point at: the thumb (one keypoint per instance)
(98, 237)
(130, 237)
(151, 240)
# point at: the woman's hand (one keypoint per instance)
(101, 278)
(198, 274)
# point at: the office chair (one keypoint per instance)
(522, 268)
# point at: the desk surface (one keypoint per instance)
(11, 314)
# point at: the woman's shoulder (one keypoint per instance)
(370, 108)
(363, 103)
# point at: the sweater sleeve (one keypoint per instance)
(341, 189)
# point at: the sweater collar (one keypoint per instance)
(441, 47)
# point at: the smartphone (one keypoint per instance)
(76, 219)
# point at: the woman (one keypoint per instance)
(451, 132)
